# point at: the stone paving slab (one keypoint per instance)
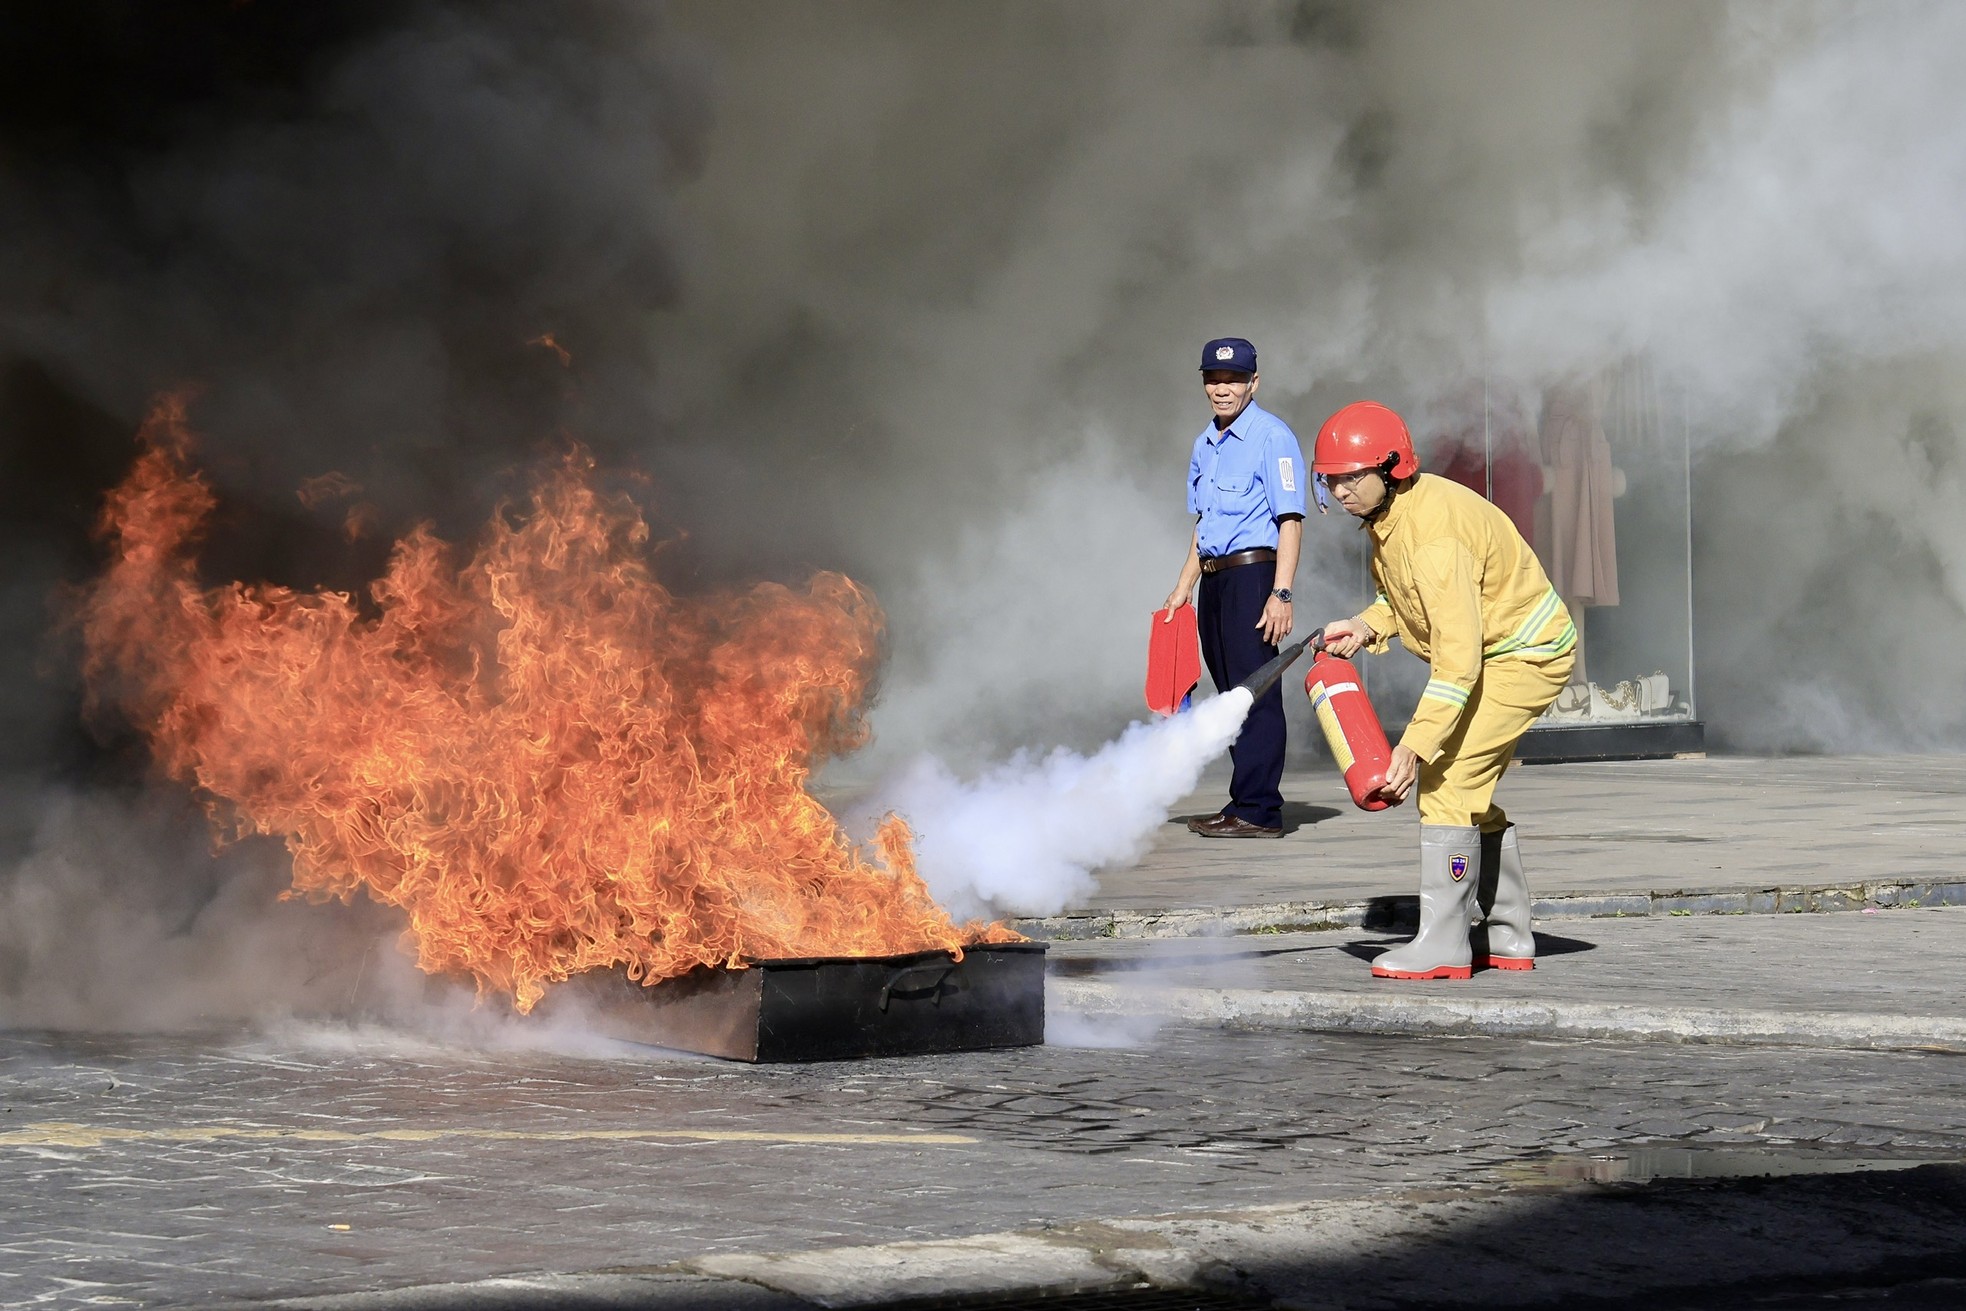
(1883, 979)
(900, 1271)
(1722, 824)
(577, 1292)
(1639, 1246)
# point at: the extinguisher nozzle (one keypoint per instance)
(1266, 678)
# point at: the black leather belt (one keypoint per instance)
(1211, 564)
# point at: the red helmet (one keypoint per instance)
(1364, 435)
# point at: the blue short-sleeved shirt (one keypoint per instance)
(1242, 479)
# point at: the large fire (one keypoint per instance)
(547, 759)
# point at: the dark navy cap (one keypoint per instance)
(1229, 353)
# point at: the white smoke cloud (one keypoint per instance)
(1815, 225)
(119, 917)
(998, 238)
(1024, 837)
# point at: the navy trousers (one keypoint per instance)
(1231, 602)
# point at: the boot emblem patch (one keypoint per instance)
(1458, 867)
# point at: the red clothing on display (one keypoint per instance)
(1517, 478)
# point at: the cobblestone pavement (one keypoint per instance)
(180, 1171)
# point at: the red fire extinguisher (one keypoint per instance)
(1351, 728)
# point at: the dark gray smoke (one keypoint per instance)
(342, 223)
(352, 227)
(916, 291)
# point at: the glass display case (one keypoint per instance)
(1595, 471)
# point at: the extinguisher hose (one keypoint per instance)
(1265, 678)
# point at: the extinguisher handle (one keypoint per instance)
(1317, 641)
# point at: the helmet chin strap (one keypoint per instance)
(1385, 472)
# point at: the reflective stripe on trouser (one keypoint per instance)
(1459, 788)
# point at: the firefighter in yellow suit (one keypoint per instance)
(1463, 591)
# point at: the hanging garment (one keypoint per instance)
(1583, 546)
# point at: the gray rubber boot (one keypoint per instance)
(1501, 938)
(1448, 874)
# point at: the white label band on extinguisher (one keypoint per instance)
(1327, 718)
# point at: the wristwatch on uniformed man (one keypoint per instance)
(1281, 593)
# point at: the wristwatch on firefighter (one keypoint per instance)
(1282, 594)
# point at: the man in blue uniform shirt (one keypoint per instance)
(1246, 484)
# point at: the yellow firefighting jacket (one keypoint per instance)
(1459, 586)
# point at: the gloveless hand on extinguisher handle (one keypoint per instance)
(1345, 637)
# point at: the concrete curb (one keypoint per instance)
(1396, 911)
(1342, 1012)
(892, 1272)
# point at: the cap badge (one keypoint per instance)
(1225, 352)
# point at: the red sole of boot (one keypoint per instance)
(1506, 962)
(1442, 972)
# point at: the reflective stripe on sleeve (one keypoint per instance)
(1451, 693)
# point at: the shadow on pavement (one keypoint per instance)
(1385, 914)
(1549, 944)
(1079, 967)
(1896, 1237)
(1296, 815)
(1299, 814)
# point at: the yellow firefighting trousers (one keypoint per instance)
(1459, 787)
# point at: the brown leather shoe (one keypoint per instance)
(1196, 823)
(1234, 826)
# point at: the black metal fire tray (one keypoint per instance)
(844, 1008)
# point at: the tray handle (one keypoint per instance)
(913, 982)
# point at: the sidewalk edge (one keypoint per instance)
(1339, 1012)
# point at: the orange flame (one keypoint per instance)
(548, 760)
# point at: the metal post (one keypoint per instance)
(1686, 434)
(1487, 442)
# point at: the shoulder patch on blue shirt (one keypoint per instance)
(1287, 474)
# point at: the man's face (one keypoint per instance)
(1227, 391)
(1359, 493)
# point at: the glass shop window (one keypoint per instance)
(1594, 472)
